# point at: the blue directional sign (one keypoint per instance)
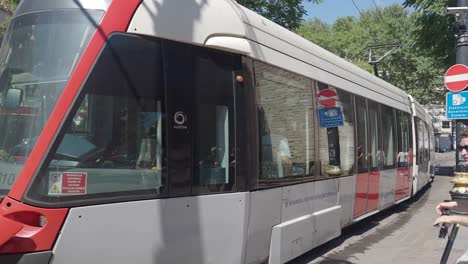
(457, 105)
(330, 117)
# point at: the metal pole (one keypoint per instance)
(460, 166)
(448, 247)
(461, 58)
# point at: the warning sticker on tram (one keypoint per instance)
(55, 183)
(55, 189)
(330, 117)
(67, 183)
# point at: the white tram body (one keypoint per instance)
(423, 138)
(278, 218)
(276, 224)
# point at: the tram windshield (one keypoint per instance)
(38, 54)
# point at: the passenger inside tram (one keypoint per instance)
(402, 159)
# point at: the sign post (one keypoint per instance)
(327, 98)
(456, 105)
(456, 78)
(329, 115)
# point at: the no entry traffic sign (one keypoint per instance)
(456, 78)
(327, 98)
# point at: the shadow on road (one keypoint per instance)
(444, 171)
(345, 256)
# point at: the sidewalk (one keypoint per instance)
(403, 234)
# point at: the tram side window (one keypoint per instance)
(431, 141)
(375, 149)
(420, 141)
(286, 125)
(426, 142)
(409, 135)
(336, 143)
(404, 156)
(362, 134)
(388, 136)
(113, 142)
(214, 135)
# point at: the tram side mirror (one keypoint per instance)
(13, 98)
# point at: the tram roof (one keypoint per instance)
(224, 24)
(419, 110)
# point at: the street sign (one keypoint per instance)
(456, 78)
(327, 98)
(330, 117)
(457, 105)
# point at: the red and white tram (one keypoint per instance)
(161, 131)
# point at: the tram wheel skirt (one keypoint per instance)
(295, 237)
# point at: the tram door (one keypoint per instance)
(368, 157)
(202, 137)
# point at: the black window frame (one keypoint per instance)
(395, 135)
(31, 195)
(378, 135)
(361, 152)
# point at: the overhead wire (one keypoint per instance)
(357, 8)
(376, 6)
(378, 10)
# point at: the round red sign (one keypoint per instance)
(456, 78)
(327, 98)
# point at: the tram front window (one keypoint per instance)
(38, 54)
(112, 142)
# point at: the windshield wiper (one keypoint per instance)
(35, 82)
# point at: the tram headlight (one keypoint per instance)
(240, 78)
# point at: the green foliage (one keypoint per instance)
(434, 29)
(433, 6)
(416, 67)
(3, 27)
(9, 5)
(287, 13)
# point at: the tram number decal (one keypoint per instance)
(7, 179)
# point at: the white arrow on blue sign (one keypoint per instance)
(457, 105)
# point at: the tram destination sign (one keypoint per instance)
(456, 78)
(457, 105)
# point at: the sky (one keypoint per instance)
(329, 10)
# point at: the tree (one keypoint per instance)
(434, 29)
(415, 67)
(9, 6)
(287, 13)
